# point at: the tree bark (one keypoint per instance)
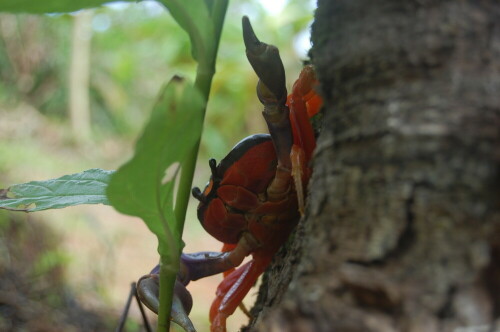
(402, 229)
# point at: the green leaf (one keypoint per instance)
(143, 187)
(88, 187)
(194, 17)
(49, 6)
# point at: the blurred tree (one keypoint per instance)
(79, 74)
(32, 61)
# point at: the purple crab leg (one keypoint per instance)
(198, 265)
(148, 289)
(203, 264)
(193, 267)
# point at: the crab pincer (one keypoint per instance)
(286, 118)
(271, 91)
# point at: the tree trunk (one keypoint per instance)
(402, 229)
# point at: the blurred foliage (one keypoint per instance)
(49, 6)
(33, 61)
(135, 49)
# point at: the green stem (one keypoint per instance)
(218, 12)
(168, 274)
(204, 75)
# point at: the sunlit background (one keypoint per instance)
(71, 269)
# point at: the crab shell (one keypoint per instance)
(236, 199)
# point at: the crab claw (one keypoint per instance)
(266, 62)
(148, 288)
(271, 90)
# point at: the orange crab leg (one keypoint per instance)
(303, 103)
(229, 247)
(232, 290)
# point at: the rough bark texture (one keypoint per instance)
(402, 230)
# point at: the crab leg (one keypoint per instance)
(303, 103)
(232, 290)
(203, 264)
(193, 267)
(148, 289)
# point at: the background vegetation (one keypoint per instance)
(133, 49)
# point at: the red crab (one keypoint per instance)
(255, 195)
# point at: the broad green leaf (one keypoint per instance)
(49, 6)
(143, 187)
(88, 187)
(194, 17)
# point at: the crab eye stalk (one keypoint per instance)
(198, 195)
(213, 167)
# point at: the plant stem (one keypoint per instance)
(169, 268)
(168, 274)
(204, 75)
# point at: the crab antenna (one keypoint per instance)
(266, 62)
